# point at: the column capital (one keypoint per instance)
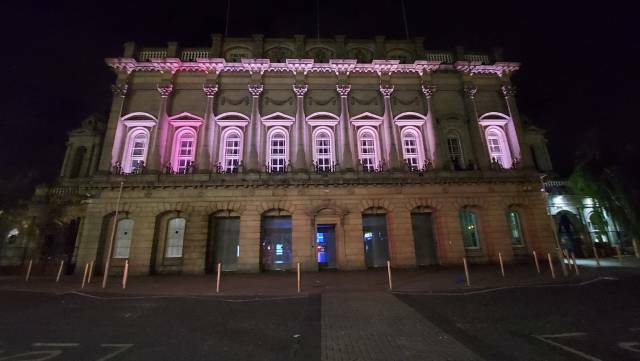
(386, 90)
(209, 89)
(300, 89)
(119, 89)
(470, 90)
(343, 89)
(165, 89)
(428, 90)
(508, 91)
(255, 90)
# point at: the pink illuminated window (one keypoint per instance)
(323, 149)
(368, 148)
(184, 150)
(411, 148)
(455, 150)
(135, 153)
(498, 148)
(277, 161)
(232, 150)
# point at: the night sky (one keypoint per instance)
(577, 79)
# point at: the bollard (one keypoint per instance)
(575, 264)
(389, 275)
(84, 275)
(635, 248)
(565, 256)
(90, 272)
(619, 252)
(298, 270)
(595, 253)
(60, 271)
(535, 259)
(553, 273)
(28, 276)
(218, 278)
(125, 274)
(563, 266)
(501, 264)
(466, 270)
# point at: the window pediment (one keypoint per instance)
(185, 119)
(409, 118)
(366, 118)
(139, 119)
(278, 118)
(322, 118)
(232, 119)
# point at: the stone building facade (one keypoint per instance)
(342, 153)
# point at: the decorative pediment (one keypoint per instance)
(366, 118)
(493, 118)
(322, 118)
(278, 118)
(185, 119)
(232, 119)
(409, 118)
(139, 119)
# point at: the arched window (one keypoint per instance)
(515, 228)
(469, 226)
(498, 148)
(175, 237)
(411, 148)
(368, 148)
(122, 244)
(78, 159)
(455, 150)
(231, 150)
(135, 154)
(323, 153)
(277, 161)
(183, 150)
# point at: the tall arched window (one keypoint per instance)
(498, 147)
(455, 150)
(135, 154)
(183, 149)
(175, 237)
(368, 149)
(411, 148)
(231, 149)
(469, 226)
(122, 244)
(515, 228)
(277, 161)
(323, 153)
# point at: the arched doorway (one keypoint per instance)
(223, 244)
(275, 240)
(423, 236)
(374, 234)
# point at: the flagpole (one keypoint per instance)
(113, 235)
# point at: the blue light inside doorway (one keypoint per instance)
(322, 248)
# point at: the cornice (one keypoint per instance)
(499, 68)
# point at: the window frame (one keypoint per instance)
(179, 245)
(127, 157)
(226, 133)
(331, 154)
(465, 235)
(450, 155)
(495, 132)
(518, 223)
(177, 149)
(375, 166)
(284, 156)
(419, 154)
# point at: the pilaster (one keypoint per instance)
(298, 148)
(159, 133)
(346, 156)
(515, 130)
(254, 135)
(390, 131)
(481, 155)
(208, 132)
(113, 137)
(428, 129)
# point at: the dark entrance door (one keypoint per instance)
(275, 247)
(223, 245)
(425, 243)
(326, 246)
(376, 248)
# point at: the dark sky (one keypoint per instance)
(577, 81)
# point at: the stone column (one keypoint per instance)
(253, 136)
(481, 154)
(158, 141)
(428, 130)
(67, 156)
(298, 148)
(390, 132)
(208, 131)
(94, 157)
(514, 126)
(113, 137)
(346, 156)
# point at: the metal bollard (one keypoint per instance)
(553, 273)
(84, 275)
(501, 263)
(595, 254)
(575, 264)
(218, 278)
(90, 271)
(619, 252)
(28, 275)
(466, 270)
(389, 275)
(298, 270)
(59, 271)
(535, 259)
(125, 274)
(635, 248)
